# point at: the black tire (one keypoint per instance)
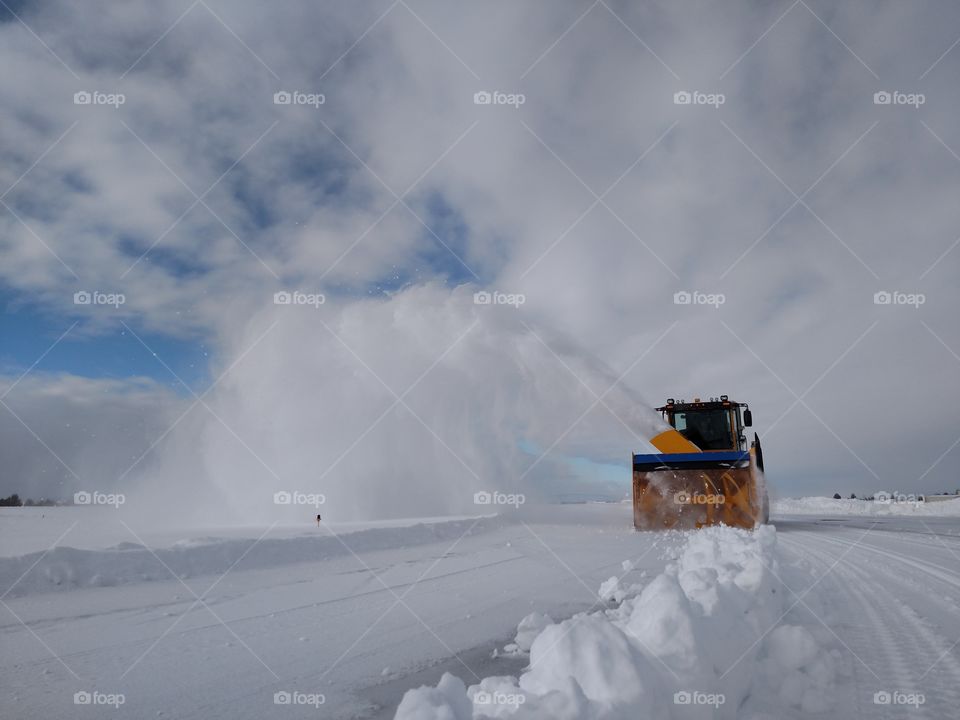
(765, 509)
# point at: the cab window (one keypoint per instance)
(708, 430)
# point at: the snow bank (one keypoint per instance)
(898, 505)
(798, 670)
(66, 568)
(694, 642)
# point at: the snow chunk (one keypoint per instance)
(609, 588)
(663, 622)
(799, 670)
(447, 701)
(528, 629)
(597, 656)
(792, 646)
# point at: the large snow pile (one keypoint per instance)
(890, 504)
(695, 641)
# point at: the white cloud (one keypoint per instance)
(598, 99)
(92, 430)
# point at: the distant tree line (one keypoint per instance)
(853, 496)
(15, 501)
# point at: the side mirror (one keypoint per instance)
(747, 418)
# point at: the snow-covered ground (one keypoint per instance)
(815, 617)
(27, 530)
(891, 505)
(74, 548)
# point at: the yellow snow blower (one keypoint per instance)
(704, 473)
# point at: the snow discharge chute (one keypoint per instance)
(704, 473)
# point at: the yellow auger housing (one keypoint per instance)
(704, 473)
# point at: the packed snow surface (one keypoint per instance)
(134, 561)
(549, 611)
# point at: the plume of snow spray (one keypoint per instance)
(406, 406)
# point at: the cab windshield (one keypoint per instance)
(707, 429)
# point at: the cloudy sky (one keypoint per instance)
(166, 168)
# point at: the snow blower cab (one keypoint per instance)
(704, 474)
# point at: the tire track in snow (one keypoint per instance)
(859, 636)
(945, 648)
(897, 646)
(931, 651)
(937, 571)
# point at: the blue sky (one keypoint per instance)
(597, 199)
(107, 350)
(28, 332)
